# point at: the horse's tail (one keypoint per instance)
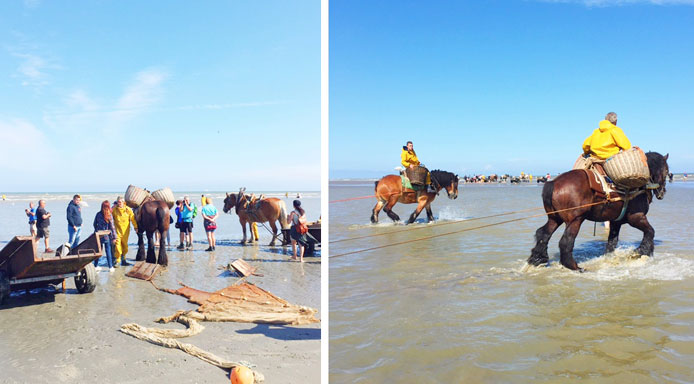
(283, 215)
(376, 185)
(162, 218)
(547, 192)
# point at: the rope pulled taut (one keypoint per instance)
(468, 229)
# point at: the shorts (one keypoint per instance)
(43, 232)
(210, 226)
(186, 227)
(32, 227)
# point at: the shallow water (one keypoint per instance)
(69, 337)
(460, 308)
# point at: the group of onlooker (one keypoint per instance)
(118, 217)
(115, 218)
(186, 211)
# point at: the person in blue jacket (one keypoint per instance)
(74, 221)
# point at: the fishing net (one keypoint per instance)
(240, 303)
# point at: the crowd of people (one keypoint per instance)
(117, 218)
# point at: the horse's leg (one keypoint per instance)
(566, 244)
(417, 211)
(250, 230)
(539, 254)
(640, 221)
(613, 237)
(163, 259)
(388, 209)
(377, 208)
(430, 215)
(243, 226)
(274, 233)
(151, 258)
(140, 247)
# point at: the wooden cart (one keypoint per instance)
(23, 267)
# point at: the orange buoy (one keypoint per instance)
(241, 375)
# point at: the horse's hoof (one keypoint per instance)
(581, 270)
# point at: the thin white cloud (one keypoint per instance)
(32, 69)
(614, 3)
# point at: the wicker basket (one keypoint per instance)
(628, 168)
(417, 175)
(581, 163)
(166, 195)
(134, 196)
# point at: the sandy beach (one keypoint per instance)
(50, 336)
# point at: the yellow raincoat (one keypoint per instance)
(606, 141)
(122, 217)
(408, 158)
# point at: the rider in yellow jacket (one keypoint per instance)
(408, 159)
(607, 140)
(122, 217)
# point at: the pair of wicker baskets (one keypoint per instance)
(627, 169)
(136, 196)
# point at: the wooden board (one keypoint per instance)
(244, 268)
(143, 270)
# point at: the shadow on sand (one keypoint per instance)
(280, 332)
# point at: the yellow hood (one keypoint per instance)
(606, 141)
(605, 126)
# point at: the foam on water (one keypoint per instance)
(623, 265)
(450, 213)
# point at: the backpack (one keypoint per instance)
(301, 227)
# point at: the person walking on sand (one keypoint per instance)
(43, 220)
(210, 214)
(31, 214)
(74, 221)
(103, 221)
(299, 231)
(123, 216)
(188, 213)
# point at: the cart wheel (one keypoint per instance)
(4, 286)
(85, 281)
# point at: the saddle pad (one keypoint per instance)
(406, 184)
(598, 183)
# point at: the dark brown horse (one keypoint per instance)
(152, 216)
(389, 191)
(265, 210)
(572, 189)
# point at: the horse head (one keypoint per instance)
(229, 202)
(446, 180)
(659, 169)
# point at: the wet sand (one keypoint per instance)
(49, 336)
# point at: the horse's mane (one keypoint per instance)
(443, 177)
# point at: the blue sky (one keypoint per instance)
(506, 86)
(96, 95)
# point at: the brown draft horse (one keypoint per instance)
(267, 210)
(389, 191)
(152, 216)
(571, 189)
